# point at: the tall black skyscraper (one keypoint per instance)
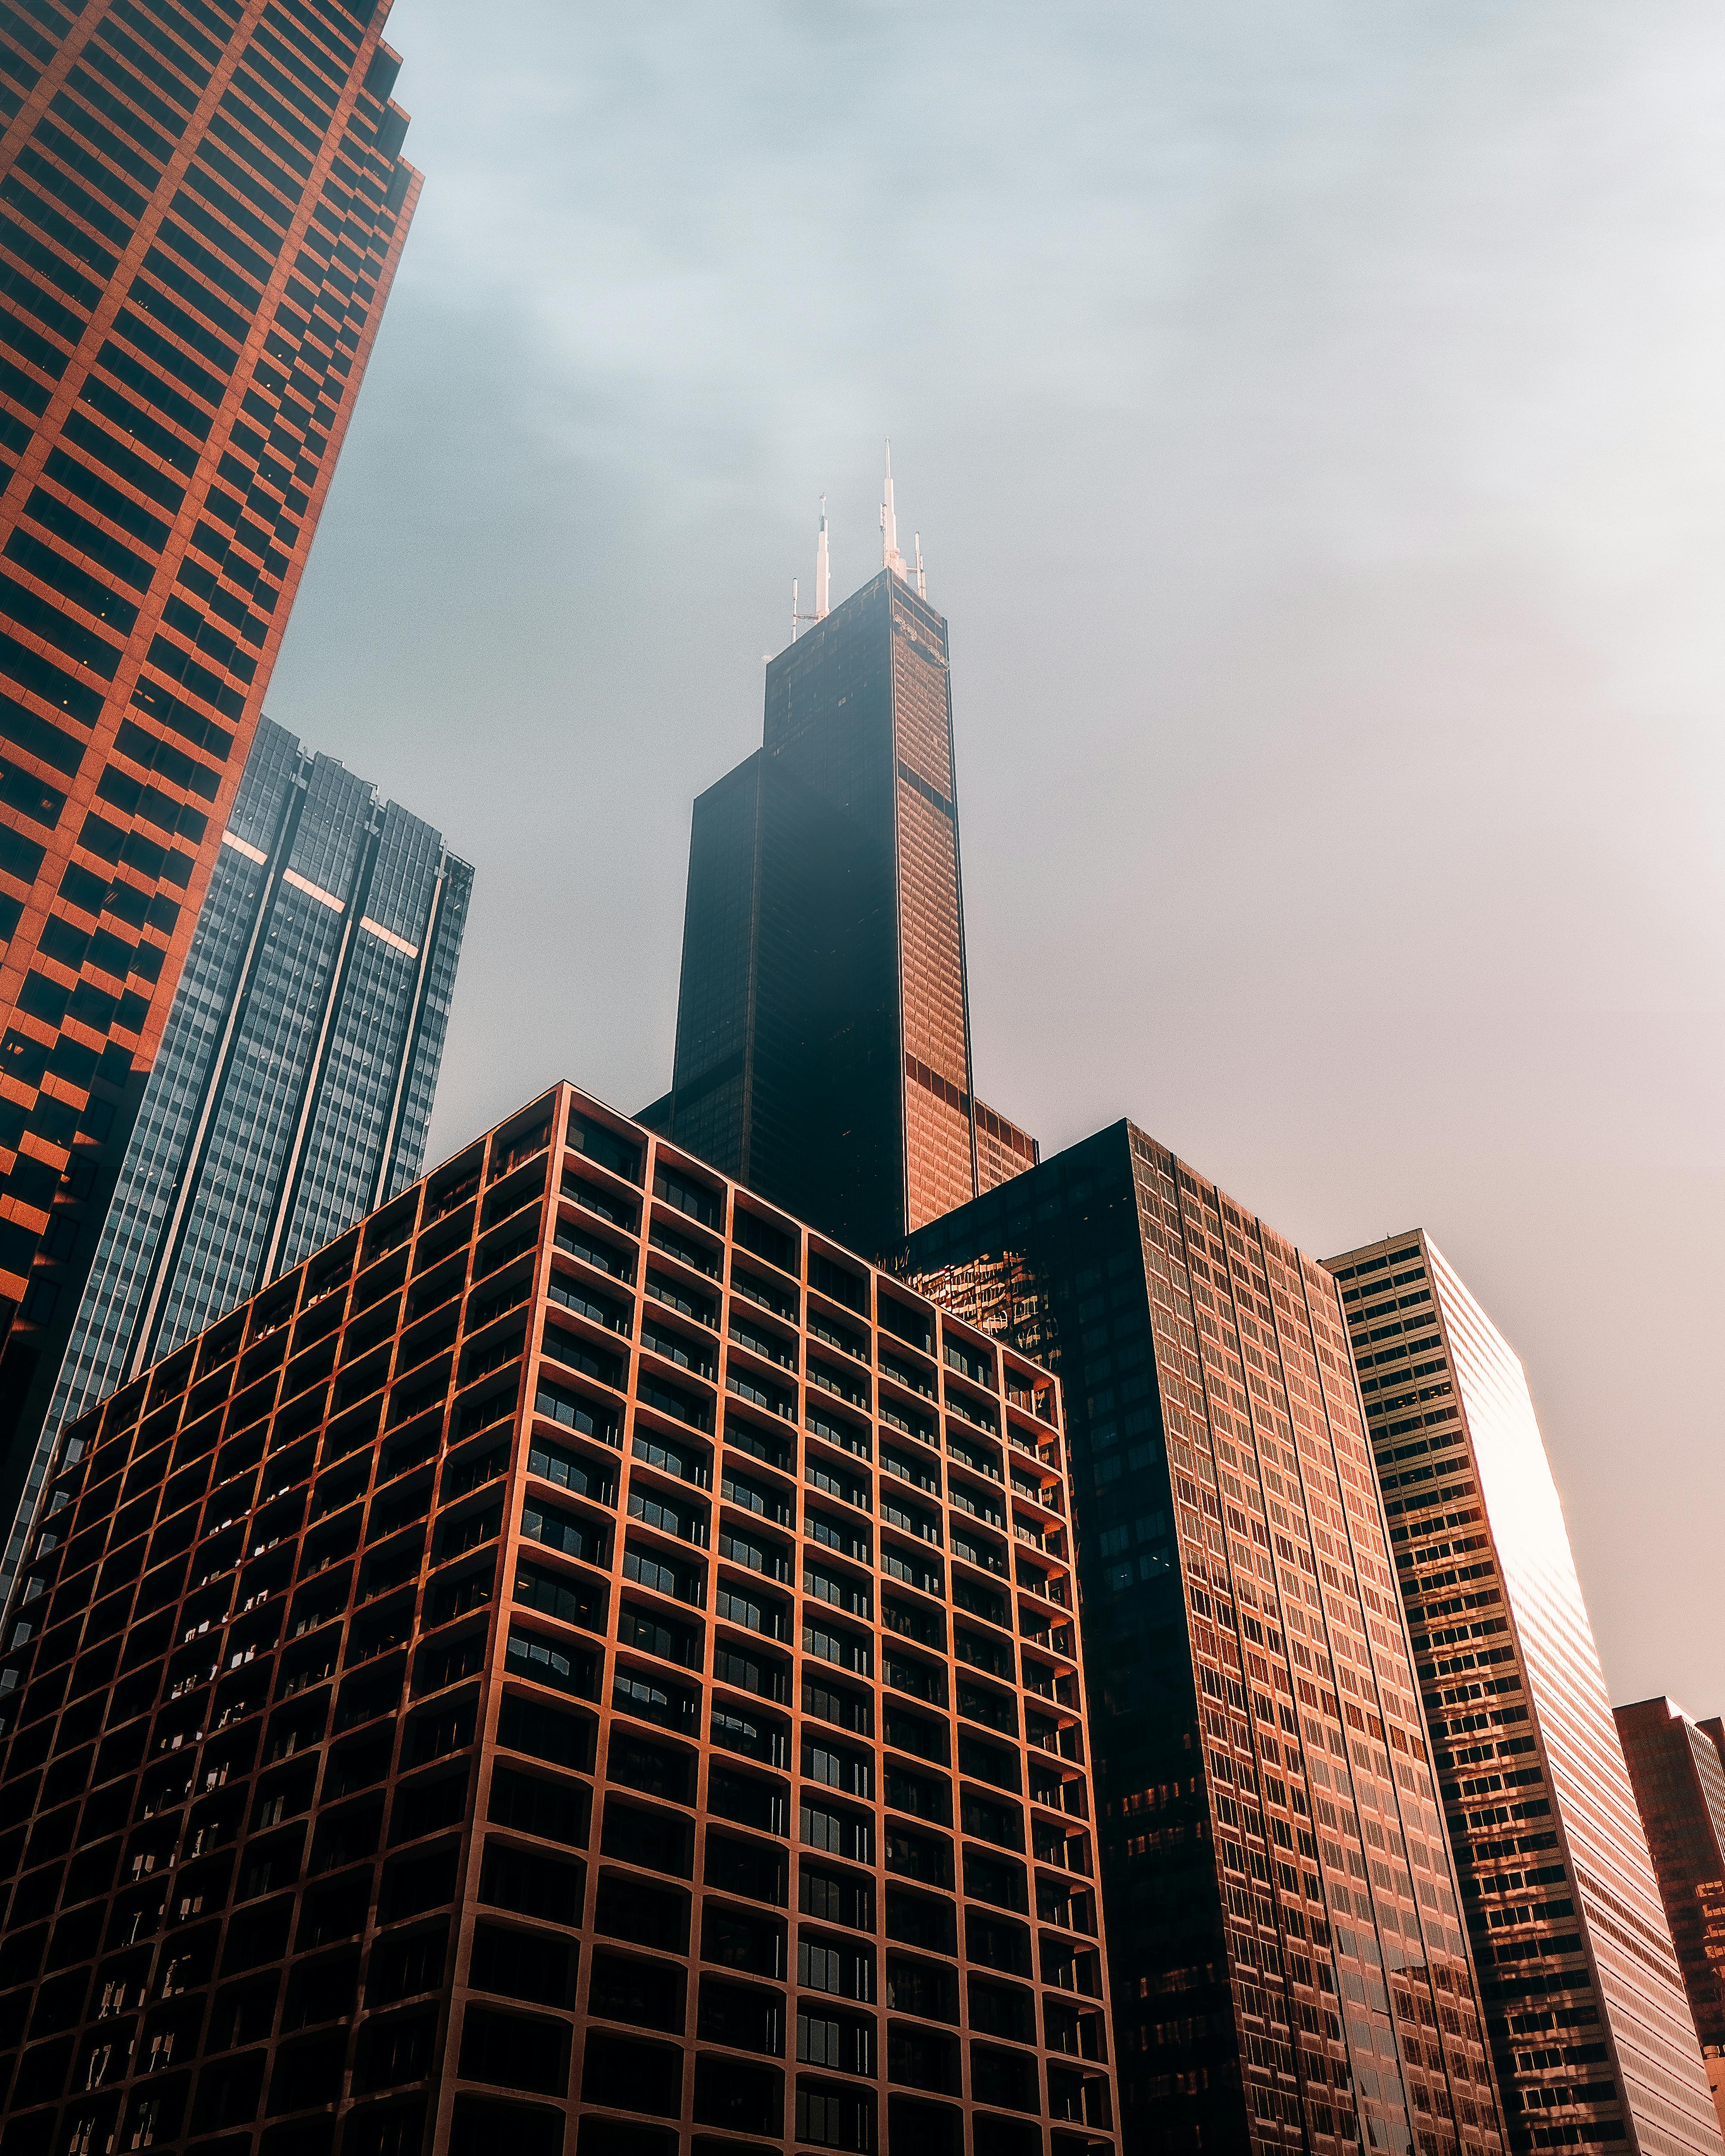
(1289, 1966)
(823, 1030)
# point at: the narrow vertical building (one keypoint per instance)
(1287, 1964)
(823, 1049)
(1678, 1777)
(582, 1665)
(294, 1082)
(1594, 2041)
(203, 208)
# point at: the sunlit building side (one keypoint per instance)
(205, 207)
(1594, 2041)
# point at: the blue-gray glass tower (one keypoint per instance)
(295, 1079)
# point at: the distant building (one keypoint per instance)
(1288, 1966)
(823, 1050)
(294, 1085)
(1591, 2025)
(580, 1664)
(1679, 1780)
(205, 207)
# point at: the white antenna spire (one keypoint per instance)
(823, 580)
(795, 616)
(921, 578)
(891, 557)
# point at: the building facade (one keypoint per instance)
(204, 208)
(823, 1048)
(579, 1664)
(294, 1085)
(1676, 1773)
(1595, 2042)
(1287, 1964)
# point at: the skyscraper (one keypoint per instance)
(1595, 2042)
(824, 1026)
(1287, 1964)
(1676, 1771)
(294, 1084)
(204, 205)
(580, 1664)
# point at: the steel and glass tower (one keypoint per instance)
(1288, 1965)
(1594, 2041)
(294, 1085)
(1679, 1780)
(581, 1666)
(204, 203)
(824, 1027)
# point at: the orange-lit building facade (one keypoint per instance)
(204, 206)
(581, 1664)
(1594, 2041)
(823, 1029)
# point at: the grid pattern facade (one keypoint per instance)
(1595, 2042)
(1676, 1773)
(823, 1031)
(579, 1664)
(204, 206)
(940, 1168)
(314, 997)
(1002, 1150)
(1287, 1962)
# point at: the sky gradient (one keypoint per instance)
(1313, 419)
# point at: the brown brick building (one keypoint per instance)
(581, 1663)
(203, 208)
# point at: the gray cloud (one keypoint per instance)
(1313, 417)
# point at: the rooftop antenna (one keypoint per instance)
(891, 557)
(822, 580)
(921, 574)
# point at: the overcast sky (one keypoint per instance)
(1313, 420)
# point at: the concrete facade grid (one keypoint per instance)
(582, 1660)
